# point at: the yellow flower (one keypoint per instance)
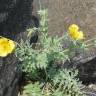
(77, 35)
(73, 28)
(74, 32)
(6, 46)
(80, 35)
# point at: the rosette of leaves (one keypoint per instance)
(66, 83)
(33, 89)
(38, 63)
(47, 49)
(31, 61)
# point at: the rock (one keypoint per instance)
(9, 76)
(89, 90)
(87, 68)
(92, 86)
(6, 6)
(15, 17)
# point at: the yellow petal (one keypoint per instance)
(73, 28)
(6, 46)
(11, 46)
(77, 35)
(80, 35)
(74, 35)
(3, 54)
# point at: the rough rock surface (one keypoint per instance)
(87, 67)
(15, 17)
(9, 77)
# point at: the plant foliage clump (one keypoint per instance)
(38, 61)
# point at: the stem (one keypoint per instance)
(18, 44)
(66, 50)
(40, 5)
(46, 75)
(90, 40)
(89, 45)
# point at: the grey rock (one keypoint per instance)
(15, 17)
